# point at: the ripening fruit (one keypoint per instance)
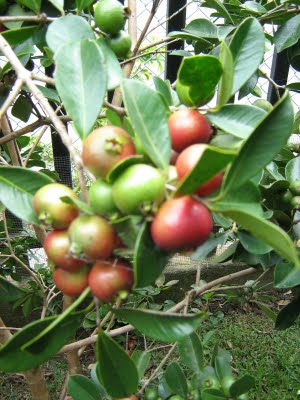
(133, 397)
(57, 248)
(139, 189)
(109, 16)
(101, 200)
(188, 127)
(180, 223)
(51, 210)
(71, 283)
(295, 187)
(106, 279)
(91, 237)
(104, 148)
(151, 394)
(187, 161)
(120, 44)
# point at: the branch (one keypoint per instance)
(11, 97)
(25, 18)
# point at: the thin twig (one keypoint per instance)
(276, 86)
(34, 145)
(27, 18)
(9, 328)
(43, 78)
(11, 97)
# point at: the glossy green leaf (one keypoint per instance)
(292, 170)
(14, 359)
(59, 4)
(202, 27)
(81, 80)
(247, 48)
(149, 260)
(288, 34)
(288, 315)
(80, 387)
(34, 5)
(191, 352)
(208, 246)
(22, 108)
(142, 103)
(82, 4)
(237, 119)
(212, 394)
(201, 74)
(17, 188)
(249, 86)
(213, 160)
(115, 74)
(17, 36)
(222, 367)
(51, 94)
(286, 275)
(116, 371)
(121, 166)
(267, 310)
(220, 7)
(253, 245)
(164, 89)
(128, 228)
(68, 29)
(262, 145)
(162, 326)
(9, 291)
(176, 380)
(255, 7)
(242, 385)
(225, 85)
(15, 10)
(141, 360)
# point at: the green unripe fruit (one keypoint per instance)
(243, 396)
(263, 104)
(110, 16)
(139, 190)
(120, 44)
(295, 187)
(176, 397)
(295, 202)
(101, 200)
(286, 197)
(151, 394)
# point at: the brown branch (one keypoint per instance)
(27, 18)
(43, 78)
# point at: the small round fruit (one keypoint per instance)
(101, 200)
(187, 161)
(120, 44)
(91, 237)
(49, 207)
(104, 148)
(106, 279)
(295, 187)
(188, 127)
(139, 189)
(295, 202)
(180, 223)
(110, 16)
(57, 248)
(71, 283)
(151, 394)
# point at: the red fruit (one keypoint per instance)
(71, 283)
(181, 223)
(187, 161)
(188, 127)
(104, 148)
(106, 279)
(57, 248)
(50, 209)
(91, 237)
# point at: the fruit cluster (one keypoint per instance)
(110, 17)
(126, 184)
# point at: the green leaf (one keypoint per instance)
(15, 10)
(225, 85)
(10, 292)
(223, 368)
(116, 371)
(149, 260)
(213, 160)
(202, 27)
(141, 360)
(208, 246)
(67, 30)
(121, 166)
(80, 387)
(253, 245)
(242, 385)
(142, 103)
(81, 78)
(176, 380)
(212, 394)
(34, 5)
(14, 359)
(164, 89)
(162, 326)
(247, 47)
(201, 74)
(219, 6)
(237, 119)
(115, 75)
(292, 170)
(191, 352)
(22, 108)
(255, 7)
(128, 228)
(17, 36)
(288, 34)
(59, 4)
(17, 188)
(84, 207)
(262, 145)
(288, 315)
(286, 275)
(82, 4)
(269, 313)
